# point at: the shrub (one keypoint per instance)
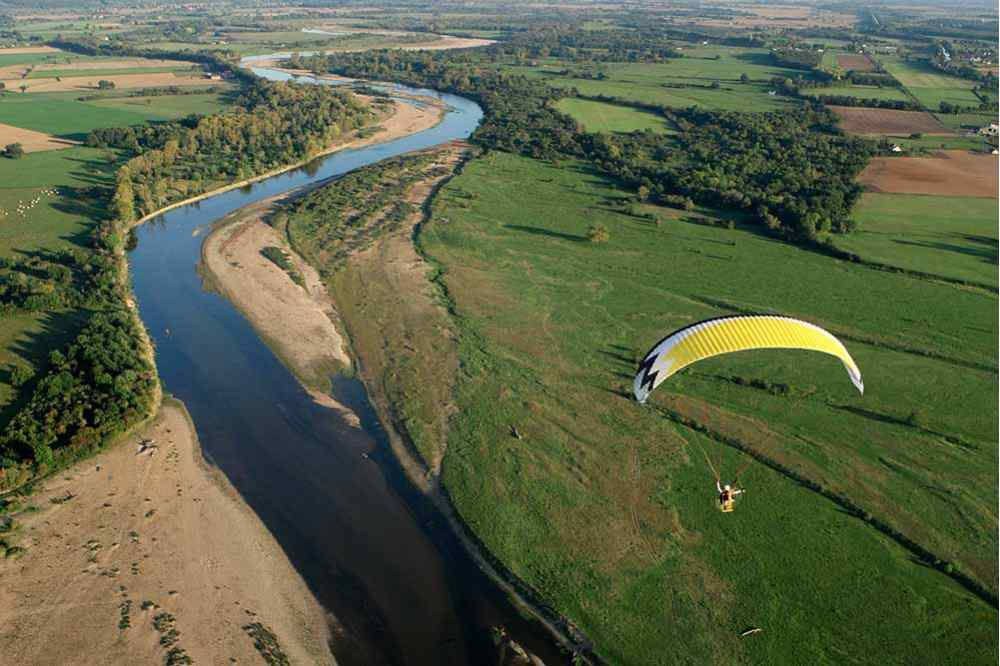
(598, 233)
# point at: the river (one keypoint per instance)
(367, 544)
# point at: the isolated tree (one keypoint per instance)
(14, 150)
(23, 87)
(104, 84)
(744, 78)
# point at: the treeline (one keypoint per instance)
(273, 124)
(791, 171)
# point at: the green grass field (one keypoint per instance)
(930, 86)
(607, 508)
(862, 92)
(166, 107)
(63, 115)
(647, 82)
(955, 237)
(110, 71)
(960, 121)
(603, 117)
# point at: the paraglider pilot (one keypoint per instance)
(727, 496)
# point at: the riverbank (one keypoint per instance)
(403, 120)
(134, 535)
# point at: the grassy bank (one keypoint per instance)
(607, 509)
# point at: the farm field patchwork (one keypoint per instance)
(604, 117)
(889, 122)
(950, 172)
(955, 237)
(607, 508)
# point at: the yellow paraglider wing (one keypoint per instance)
(731, 334)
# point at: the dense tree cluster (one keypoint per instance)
(274, 124)
(869, 102)
(69, 278)
(518, 116)
(99, 386)
(792, 170)
(796, 57)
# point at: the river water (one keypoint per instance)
(367, 544)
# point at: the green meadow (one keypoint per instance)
(930, 86)
(681, 82)
(110, 71)
(606, 508)
(604, 117)
(62, 114)
(861, 92)
(167, 107)
(954, 237)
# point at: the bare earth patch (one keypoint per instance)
(957, 173)
(28, 49)
(859, 120)
(127, 537)
(31, 140)
(856, 62)
(121, 81)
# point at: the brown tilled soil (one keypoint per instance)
(855, 62)
(30, 140)
(859, 120)
(957, 173)
(159, 528)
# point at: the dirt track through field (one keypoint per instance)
(951, 172)
(860, 120)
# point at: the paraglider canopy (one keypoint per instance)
(724, 335)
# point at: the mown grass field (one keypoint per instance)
(655, 83)
(607, 508)
(955, 237)
(604, 117)
(167, 107)
(930, 86)
(63, 115)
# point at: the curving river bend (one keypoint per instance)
(401, 590)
